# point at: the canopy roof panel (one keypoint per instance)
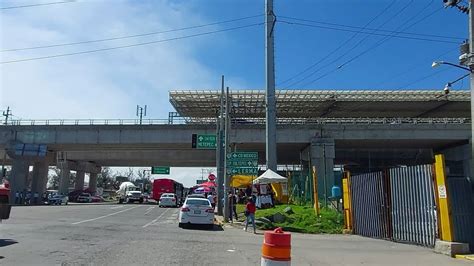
(326, 103)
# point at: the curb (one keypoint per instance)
(466, 257)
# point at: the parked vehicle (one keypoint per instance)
(195, 196)
(129, 193)
(5, 206)
(168, 200)
(196, 211)
(84, 197)
(58, 199)
(165, 185)
(97, 199)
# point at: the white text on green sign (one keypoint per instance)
(206, 142)
(242, 156)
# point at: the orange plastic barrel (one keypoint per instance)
(276, 248)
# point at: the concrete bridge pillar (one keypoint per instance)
(93, 182)
(18, 177)
(322, 157)
(40, 177)
(64, 179)
(79, 184)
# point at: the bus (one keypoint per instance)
(165, 185)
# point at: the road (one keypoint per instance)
(149, 235)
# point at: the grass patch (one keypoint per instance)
(302, 220)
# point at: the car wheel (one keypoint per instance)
(65, 203)
(210, 226)
(180, 225)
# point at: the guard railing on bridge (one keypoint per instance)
(237, 121)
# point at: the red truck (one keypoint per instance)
(165, 185)
(5, 206)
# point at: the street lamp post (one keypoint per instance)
(468, 61)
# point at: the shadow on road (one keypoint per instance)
(7, 242)
(204, 227)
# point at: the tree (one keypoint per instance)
(143, 179)
(53, 178)
(105, 179)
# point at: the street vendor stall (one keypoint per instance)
(265, 196)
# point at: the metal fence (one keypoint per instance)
(462, 209)
(240, 121)
(413, 209)
(369, 205)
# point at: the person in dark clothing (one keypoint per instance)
(232, 200)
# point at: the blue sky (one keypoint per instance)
(109, 84)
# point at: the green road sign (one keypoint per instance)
(206, 142)
(242, 171)
(160, 170)
(241, 156)
(248, 163)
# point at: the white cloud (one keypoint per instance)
(98, 85)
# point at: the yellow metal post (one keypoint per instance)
(346, 200)
(315, 191)
(442, 198)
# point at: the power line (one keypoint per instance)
(351, 49)
(371, 48)
(43, 4)
(339, 47)
(424, 77)
(130, 45)
(369, 33)
(363, 28)
(129, 36)
(413, 67)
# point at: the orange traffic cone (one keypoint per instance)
(276, 248)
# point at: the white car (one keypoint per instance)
(58, 199)
(196, 211)
(168, 200)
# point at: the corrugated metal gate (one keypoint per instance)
(413, 207)
(368, 205)
(398, 205)
(462, 209)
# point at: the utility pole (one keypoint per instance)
(220, 154)
(471, 77)
(226, 150)
(271, 151)
(469, 62)
(141, 112)
(7, 114)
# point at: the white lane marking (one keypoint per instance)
(104, 216)
(149, 210)
(152, 222)
(117, 207)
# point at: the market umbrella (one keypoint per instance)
(208, 184)
(270, 177)
(202, 190)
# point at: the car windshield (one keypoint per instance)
(197, 202)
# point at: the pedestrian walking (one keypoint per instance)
(250, 214)
(232, 206)
(28, 198)
(22, 196)
(35, 197)
(210, 197)
(17, 197)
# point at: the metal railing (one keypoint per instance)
(238, 121)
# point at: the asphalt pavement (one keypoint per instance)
(149, 235)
